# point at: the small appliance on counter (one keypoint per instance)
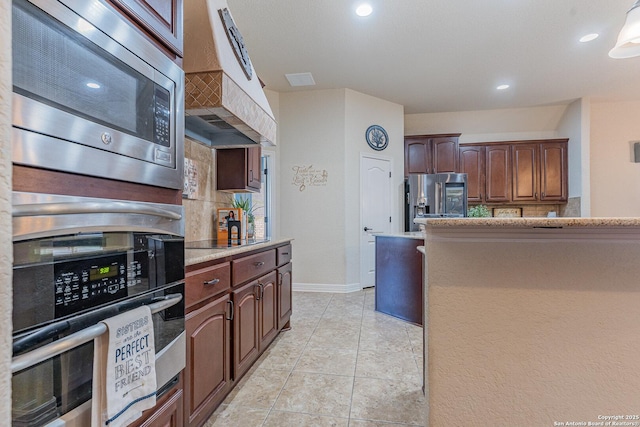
(437, 195)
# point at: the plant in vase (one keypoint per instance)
(244, 203)
(480, 211)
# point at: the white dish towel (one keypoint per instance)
(124, 369)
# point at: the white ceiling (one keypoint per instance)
(443, 55)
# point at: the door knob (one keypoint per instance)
(368, 229)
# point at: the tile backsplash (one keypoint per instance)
(200, 207)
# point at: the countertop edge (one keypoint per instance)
(533, 222)
(198, 256)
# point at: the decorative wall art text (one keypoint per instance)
(305, 176)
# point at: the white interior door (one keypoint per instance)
(375, 211)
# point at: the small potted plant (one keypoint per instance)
(479, 211)
(247, 207)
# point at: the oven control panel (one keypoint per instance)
(83, 284)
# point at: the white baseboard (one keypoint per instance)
(333, 288)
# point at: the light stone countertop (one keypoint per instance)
(532, 222)
(406, 235)
(197, 256)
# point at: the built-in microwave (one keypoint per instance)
(92, 96)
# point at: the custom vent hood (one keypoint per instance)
(225, 105)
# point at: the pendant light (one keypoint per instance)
(628, 44)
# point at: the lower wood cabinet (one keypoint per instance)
(284, 295)
(246, 337)
(169, 414)
(239, 305)
(208, 370)
(268, 309)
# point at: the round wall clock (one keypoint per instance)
(377, 137)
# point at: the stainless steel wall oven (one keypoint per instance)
(92, 96)
(78, 261)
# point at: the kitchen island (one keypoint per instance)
(531, 321)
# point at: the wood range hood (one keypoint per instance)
(225, 105)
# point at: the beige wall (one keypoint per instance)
(535, 329)
(325, 129)
(490, 125)
(6, 250)
(615, 178)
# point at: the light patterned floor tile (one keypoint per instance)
(317, 394)
(296, 419)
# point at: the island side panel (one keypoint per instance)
(532, 330)
(399, 278)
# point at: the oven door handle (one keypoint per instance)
(76, 339)
(38, 209)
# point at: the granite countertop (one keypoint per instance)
(532, 222)
(197, 256)
(406, 235)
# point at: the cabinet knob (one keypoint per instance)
(259, 264)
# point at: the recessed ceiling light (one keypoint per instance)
(93, 85)
(589, 37)
(300, 79)
(502, 87)
(364, 10)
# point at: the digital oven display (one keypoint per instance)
(98, 273)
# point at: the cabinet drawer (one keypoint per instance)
(283, 254)
(252, 266)
(207, 282)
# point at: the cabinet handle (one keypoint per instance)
(260, 291)
(285, 253)
(211, 282)
(259, 264)
(536, 195)
(280, 279)
(231, 310)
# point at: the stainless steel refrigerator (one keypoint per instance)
(434, 196)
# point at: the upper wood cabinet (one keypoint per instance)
(472, 162)
(554, 175)
(239, 169)
(516, 171)
(488, 173)
(540, 171)
(431, 153)
(498, 174)
(160, 19)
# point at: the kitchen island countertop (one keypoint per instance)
(197, 256)
(530, 222)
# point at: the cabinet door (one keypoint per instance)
(170, 414)
(268, 309)
(284, 295)
(498, 173)
(472, 163)
(254, 168)
(525, 172)
(417, 155)
(445, 154)
(246, 335)
(553, 172)
(160, 18)
(208, 370)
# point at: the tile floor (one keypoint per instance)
(341, 364)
